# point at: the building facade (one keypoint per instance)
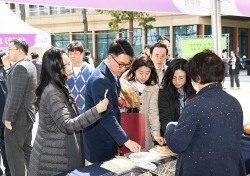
(65, 24)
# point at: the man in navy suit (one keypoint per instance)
(101, 140)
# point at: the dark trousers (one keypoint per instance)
(234, 77)
(3, 152)
(18, 148)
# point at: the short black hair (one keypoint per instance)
(21, 44)
(87, 53)
(206, 67)
(121, 46)
(75, 45)
(224, 50)
(34, 55)
(158, 45)
(163, 37)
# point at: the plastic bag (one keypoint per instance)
(130, 93)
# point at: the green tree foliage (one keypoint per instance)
(120, 17)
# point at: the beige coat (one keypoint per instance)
(149, 107)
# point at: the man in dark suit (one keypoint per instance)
(103, 137)
(19, 110)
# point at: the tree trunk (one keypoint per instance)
(85, 28)
(22, 10)
(131, 31)
(145, 36)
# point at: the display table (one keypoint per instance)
(245, 148)
(96, 170)
(91, 170)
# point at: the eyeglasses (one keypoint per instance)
(120, 65)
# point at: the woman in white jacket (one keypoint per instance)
(142, 75)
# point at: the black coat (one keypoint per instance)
(207, 137)
(237, 66)
(3, 94)
(169, 109)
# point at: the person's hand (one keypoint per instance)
(121, 102)
(6, 61)
(159, 139)
(132, 146)
(127, 104)
(102, 105)
(8, 124)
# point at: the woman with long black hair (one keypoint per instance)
(174, 93)
(57, 146)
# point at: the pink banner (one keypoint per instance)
(130, 5)
(5, 38)
(198, 7)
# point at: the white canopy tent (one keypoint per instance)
(13, 27)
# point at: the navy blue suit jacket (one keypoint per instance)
(101, 140)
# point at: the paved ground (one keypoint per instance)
(243, 94)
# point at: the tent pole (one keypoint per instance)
(216, 25)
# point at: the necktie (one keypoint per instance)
(118, 86)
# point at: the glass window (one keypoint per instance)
(137, 45)
(33, 10)
(225, 30)
(80, 37)
(137, 41)
(104, 38)
(64, 10)
(154, 33)
(191, 30)
(242, 42)
(54, 10)
(207, 30)
(44, 10)
(76, 10)
(60, 40)
(229, 30)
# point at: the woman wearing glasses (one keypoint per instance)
(142, 75)
(175, 91)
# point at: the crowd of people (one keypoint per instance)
(183, 103)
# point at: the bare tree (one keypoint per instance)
(22, 10)
(85, 28)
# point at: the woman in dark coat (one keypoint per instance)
(174, 93)
(207, 136)
(57, 146)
